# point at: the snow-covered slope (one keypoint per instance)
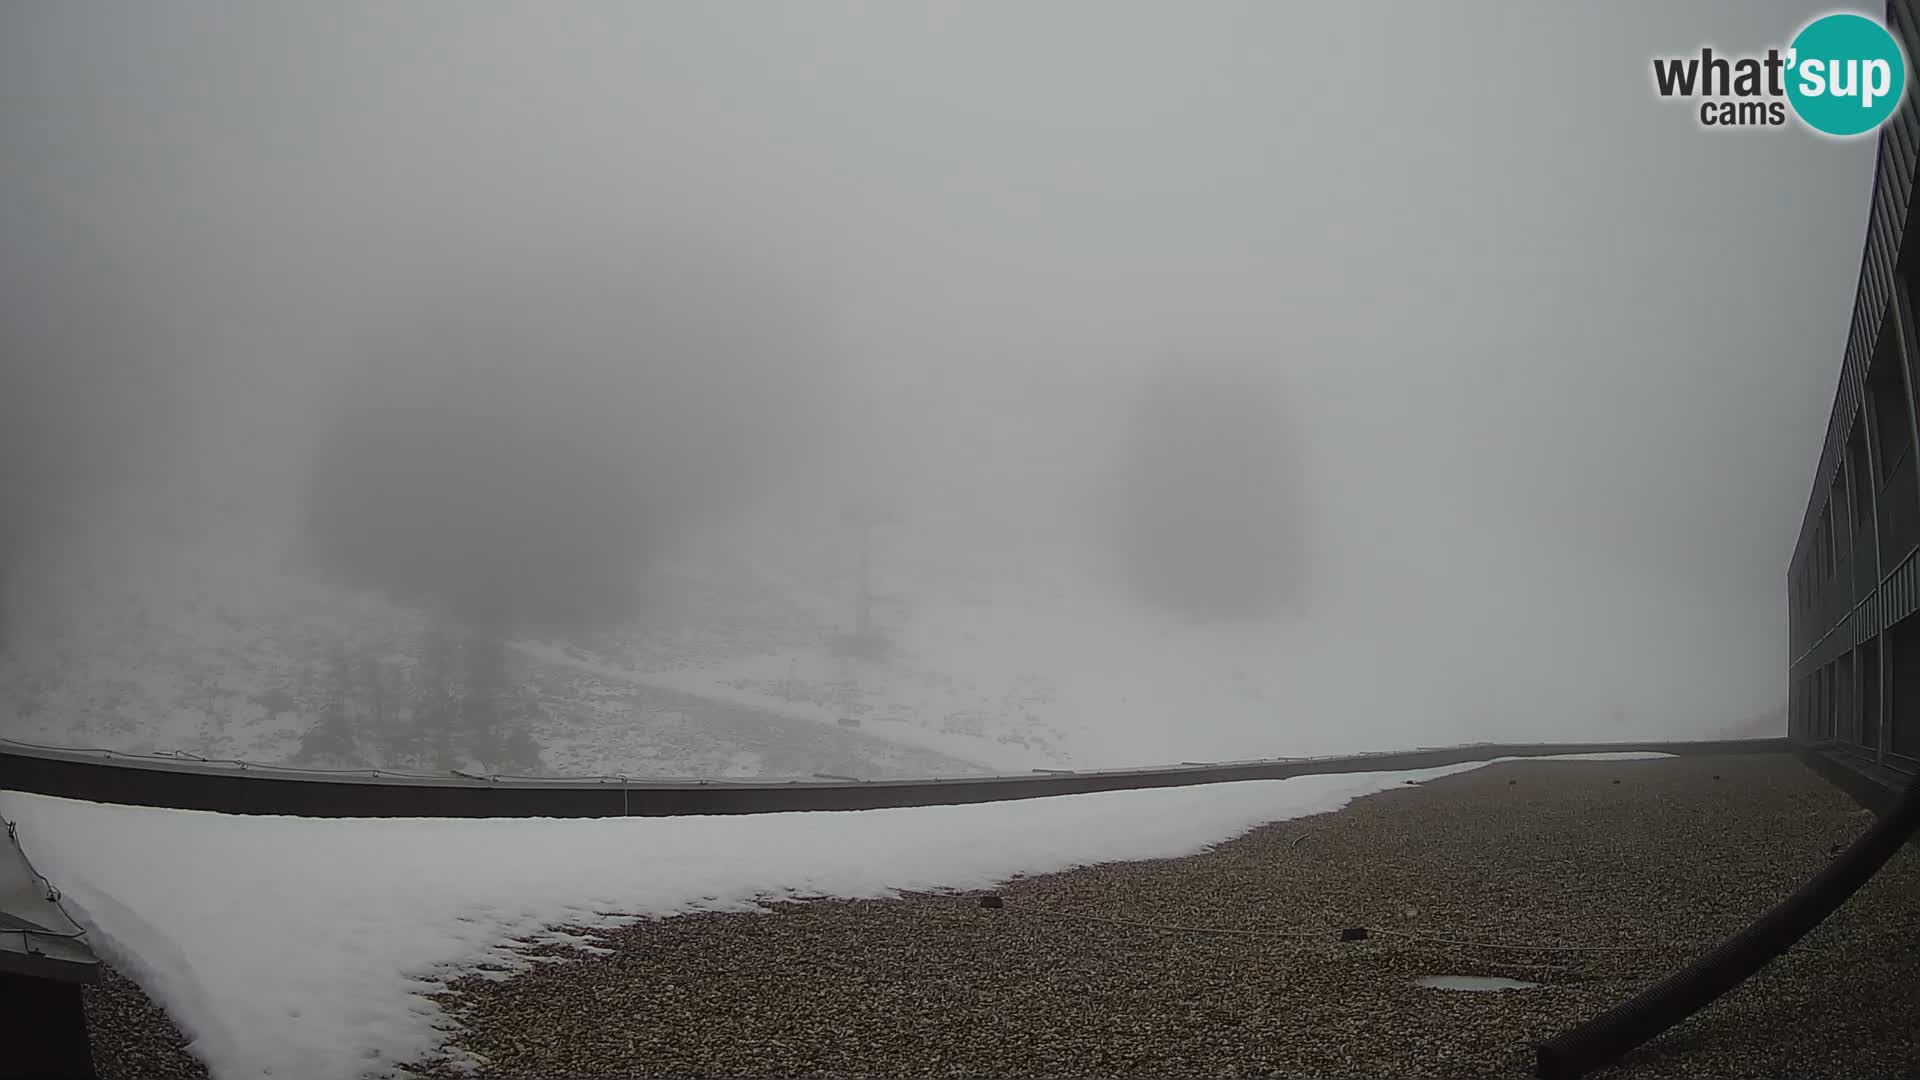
(991, 667)
(159, 648)
(1010, 648)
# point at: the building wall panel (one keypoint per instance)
(1851, 676)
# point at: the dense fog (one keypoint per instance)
(892, 389)
(522, 447)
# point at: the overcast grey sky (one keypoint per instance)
(1528, 310)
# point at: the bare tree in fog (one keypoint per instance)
(1210, 498)
(334, 738)
(518, 457)
(494, 712)
(429, 734)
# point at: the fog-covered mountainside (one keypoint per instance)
(1000, 648)
(399, 386)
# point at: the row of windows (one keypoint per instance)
(1873, 495)
(1864, 516)
(1856, 700)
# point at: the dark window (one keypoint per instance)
(1890, 424)
(1816, 703)
(1857, 476)
(1809, 694)
(1830, 713)
(1820, 548)
(1827, 546)
(1846, 718)
(1903, 699)
(1870, 695)
(1887, 395)
(1841, 520)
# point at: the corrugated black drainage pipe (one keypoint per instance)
(1605, 1038)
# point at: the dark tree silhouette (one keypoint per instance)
(430, 739)
(1209, 501)
(335, 738)
(519, 456)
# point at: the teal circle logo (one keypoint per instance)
(1846, 74)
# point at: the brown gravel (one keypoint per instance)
(1537, 852)
(1655, 853)
(132, 1037)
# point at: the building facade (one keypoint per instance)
(1853, 586)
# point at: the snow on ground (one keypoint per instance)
(812, 687)
(1012, 649)
(601, 720)
(302, 947)
(168, 648)
(221, 652)
(1005, 653)
(1013, 646)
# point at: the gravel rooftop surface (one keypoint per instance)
(132, 1037)
(1670, 855)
